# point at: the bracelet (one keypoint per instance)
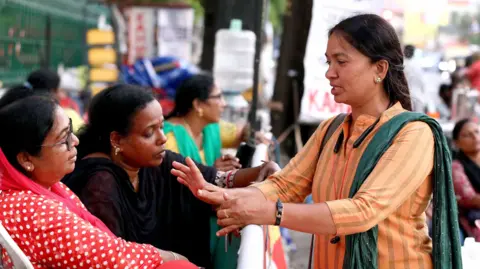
(220, 179)
(279, 212)
(230, 179)
(225, 179)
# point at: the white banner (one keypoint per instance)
(141, 33)
(317, 101)
(175, 32)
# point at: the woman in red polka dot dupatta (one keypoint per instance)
(47, 221)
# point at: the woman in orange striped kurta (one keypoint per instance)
(366, 72)
(394, 196)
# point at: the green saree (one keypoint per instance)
(212, 146)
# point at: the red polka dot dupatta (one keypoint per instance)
(12, 179)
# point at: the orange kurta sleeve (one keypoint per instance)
(294, 182)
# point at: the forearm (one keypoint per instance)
(250, 192)
(245, 177)
(307, 218)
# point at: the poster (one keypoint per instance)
(317, 102)
(175, 32)
(141, 33)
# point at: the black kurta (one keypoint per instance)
(162, 213)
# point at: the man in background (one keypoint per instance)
(414, 74)
(45, 79)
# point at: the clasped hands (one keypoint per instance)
(236, 208)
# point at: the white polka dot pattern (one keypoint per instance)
(54, 237)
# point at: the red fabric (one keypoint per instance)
(473, 75)
(278, 255)
(178, 265)
(463, 188)
(12, 179)
(55, 230)
(464, 192)
(68, 102)
(52, 236)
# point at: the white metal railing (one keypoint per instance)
(251, 254)
(20, 261)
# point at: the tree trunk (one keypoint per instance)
(218, 14)
(296, 27)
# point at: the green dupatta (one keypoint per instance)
(212, 143)
(361, 249)
(212, 146)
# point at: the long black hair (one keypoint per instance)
(111, 110)
(25, 125)
(375, 38)
(18, 92)
(198, 86)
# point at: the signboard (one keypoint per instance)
(175, 32)
(141, 33)
(317, 101)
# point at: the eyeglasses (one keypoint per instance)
(68, 140)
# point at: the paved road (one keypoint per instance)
(299, 258)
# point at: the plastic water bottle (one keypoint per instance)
(234, 58)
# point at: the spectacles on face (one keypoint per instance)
(68, 140)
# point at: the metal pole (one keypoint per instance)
(245, 151)
(256, 66)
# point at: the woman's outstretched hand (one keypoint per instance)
(190, 176)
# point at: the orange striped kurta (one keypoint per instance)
(394, 196)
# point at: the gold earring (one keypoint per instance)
(378, 80)
(200, 112)
(117, 150)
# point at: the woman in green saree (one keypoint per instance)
(194, 129)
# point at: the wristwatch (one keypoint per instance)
(279, 212)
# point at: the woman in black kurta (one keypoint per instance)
(123, 176)
(162, 212)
